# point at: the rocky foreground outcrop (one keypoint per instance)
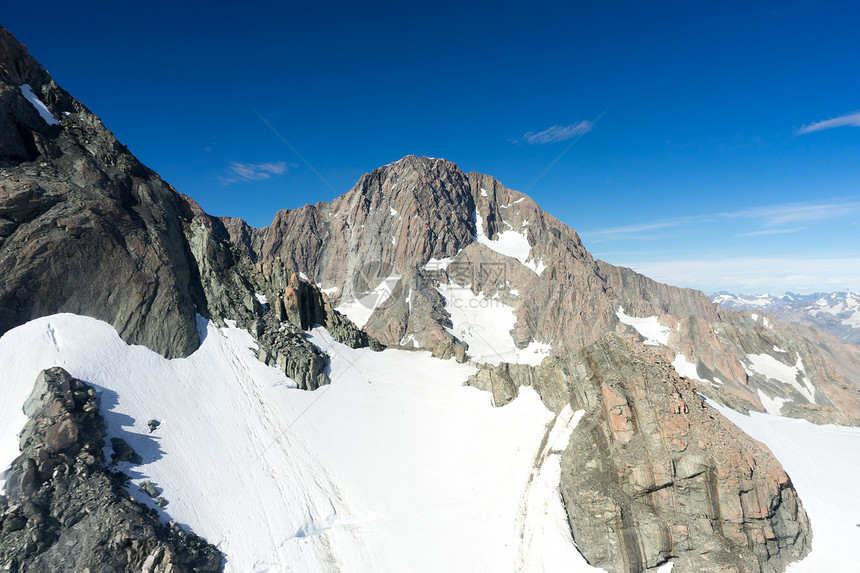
(653, 474)
(64, 510)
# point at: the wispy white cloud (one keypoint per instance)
(849, 119)
(557, 133)
(639, 230)
(771, 232)
(771, 217)
(253, 171)
(756, 275)
(797, 212)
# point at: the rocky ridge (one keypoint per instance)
(65, 510)
(86, 228)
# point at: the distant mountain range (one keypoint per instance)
(837, 313)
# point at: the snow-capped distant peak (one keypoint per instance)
(837, 312)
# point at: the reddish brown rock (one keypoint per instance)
(652, 474)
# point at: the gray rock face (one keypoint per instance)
(652, 473)
(232, 286)
(64, 510)
(84, 226)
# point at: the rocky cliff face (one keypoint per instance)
(66, 511)
(653, 473)
(84, 226)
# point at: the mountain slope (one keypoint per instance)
(84, 226)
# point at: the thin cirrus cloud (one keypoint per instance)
(771, 232)
(557, 133)
(849, 119)
(253, 171)
(640, 230)
(771, 220)
(774, 215)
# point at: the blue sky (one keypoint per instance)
(713, 147)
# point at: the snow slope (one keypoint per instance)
(485, 324)
(655, 333)
(395, 466)
(359, 310)
(509, 243)
(823, 463)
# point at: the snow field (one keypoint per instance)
(485, 324)
(395, 466)
(655, 333)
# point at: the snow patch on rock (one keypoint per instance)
(43, 110)
(655, 333)
(485, 324)
(771, 405)
(687, 369)
(359, 309)
(773, 369)
(511, 244)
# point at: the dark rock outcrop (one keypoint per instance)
(85, 227)
(233, 288)
(65, 511)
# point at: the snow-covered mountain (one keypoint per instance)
(428, 373)
(837, 313)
